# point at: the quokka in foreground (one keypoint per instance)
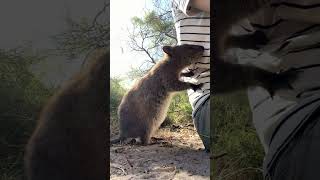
(144, 107)
(69, 142)
(227, 76)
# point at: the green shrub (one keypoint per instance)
(116, 93)
(180, 110)
(235, 136)
(21, 98)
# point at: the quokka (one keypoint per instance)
(144, 107)
(69, 142)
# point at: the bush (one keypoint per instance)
(180, 110)
(235, 136)
(116, 93)
(22, 96)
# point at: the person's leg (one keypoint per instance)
(202, 123)
(301, 158)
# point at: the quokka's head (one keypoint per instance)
(185, 51)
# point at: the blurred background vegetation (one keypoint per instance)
(22, 96)
(22, 91)
(237, 152)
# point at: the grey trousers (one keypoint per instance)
(299, 158)
(201, 121)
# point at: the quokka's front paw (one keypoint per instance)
(195, 87)
(281, 80)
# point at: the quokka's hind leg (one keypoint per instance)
(146, 138)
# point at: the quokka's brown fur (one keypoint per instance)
(145, 105)
(69, 142)
(230, 77)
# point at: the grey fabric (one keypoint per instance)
(292, 44)
(201, 121)
(295, 144)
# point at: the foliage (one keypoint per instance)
(149, 33)
(22, 95)
(180, 110)
(116, 93)
(235, 136)
(84, 35)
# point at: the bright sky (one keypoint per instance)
(122, 58)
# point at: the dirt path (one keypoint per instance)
(179, 154)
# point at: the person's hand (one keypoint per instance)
(203, 5)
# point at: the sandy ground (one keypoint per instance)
(177, 154)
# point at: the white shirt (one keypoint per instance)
(293, 28)
(193, 27)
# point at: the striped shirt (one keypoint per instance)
(193, 27)
(293, 28)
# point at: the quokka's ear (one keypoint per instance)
(168, 50)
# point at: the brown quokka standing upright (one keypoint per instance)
(144, 107)
(228, 76)
(69, 142)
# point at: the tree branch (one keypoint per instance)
(104, 8)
